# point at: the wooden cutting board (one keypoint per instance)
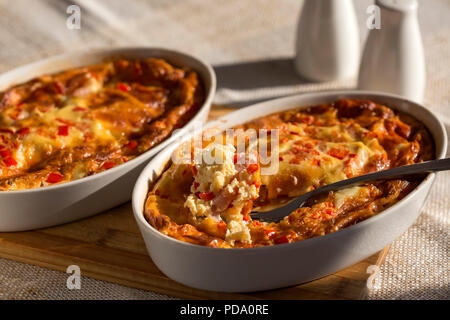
(109, 247)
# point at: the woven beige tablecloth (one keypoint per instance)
(251, 45)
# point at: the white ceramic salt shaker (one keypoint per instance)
(327, 45)
(393, 59)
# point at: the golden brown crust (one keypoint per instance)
(79, 122)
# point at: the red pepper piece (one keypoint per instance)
(59, 88)
(10, 161)
(315, 162)
(6, 131)
(23, 132)
(222, 225)
(270, 233)
(108, 165)
(65, 121)
(132, 145)
(79, 109)
(253, 167)
(206, 195)
(63, 130)
(123, 87)
(282, 239)
(338, 153)
(54, 177)
(5, 153)
(330, 212)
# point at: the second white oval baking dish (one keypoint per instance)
(49, 206)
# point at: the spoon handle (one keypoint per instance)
(423, 167)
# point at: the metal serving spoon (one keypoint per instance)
(279, 213)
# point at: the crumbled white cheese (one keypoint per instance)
(244, 192)
(217, 173)
(197, 206)
(216, 169)
(238, 231)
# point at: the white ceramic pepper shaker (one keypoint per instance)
(393, 59)
(327, 45)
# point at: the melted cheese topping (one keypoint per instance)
(317, 158)
(344, 195)
(45, 138)
(66, 126)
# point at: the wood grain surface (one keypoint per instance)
(109, 247)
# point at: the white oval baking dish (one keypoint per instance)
(263, 268)
(48, 206)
